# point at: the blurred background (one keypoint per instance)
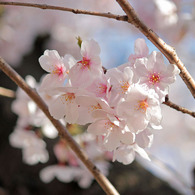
(25, 33)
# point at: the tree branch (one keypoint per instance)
(62, 131)
(7, 92)
(177, 107)
(166, 49)
(74, 11)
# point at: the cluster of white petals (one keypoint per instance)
(121, 106)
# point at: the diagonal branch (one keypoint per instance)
(63, 133)
(177, 107)
(167, 50)
(75, 11)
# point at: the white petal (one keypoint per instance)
(57, 108)
(98, 127)
(49, 60)
(127, 138)
(125, 155)
(90, 48)
(141, 48)
(141, 152)
(48, 173)
(145, 138)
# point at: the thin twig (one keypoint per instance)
(166, 49)
(74, 11)
(177, 107)
(63, 133)
(7, 92)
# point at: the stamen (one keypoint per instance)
(85, 63)
(94, 107)
(67, 98)
(109, 125)
(124, 86)
(102, 88)
(142, 105)
(154, 78)
(59, 70)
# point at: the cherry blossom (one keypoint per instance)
(64, 105)
(121, 82)
(155, 74)
(100, 87)
(139, 108)
(58, 68)
(89, 67)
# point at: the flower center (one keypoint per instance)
(109, 125)
(102, 88)
(85, 63)
(94, 107)
(142, 105)
(154, 78)
(59, 70)
(125, 86)
(67, 98)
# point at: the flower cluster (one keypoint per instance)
(121, 106)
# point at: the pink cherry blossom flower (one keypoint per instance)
(100, 87)
(58, 68)
(64, 105)
(89, 67)
(91, 108)
(121, 81)
(139, 108)
(155, 74)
